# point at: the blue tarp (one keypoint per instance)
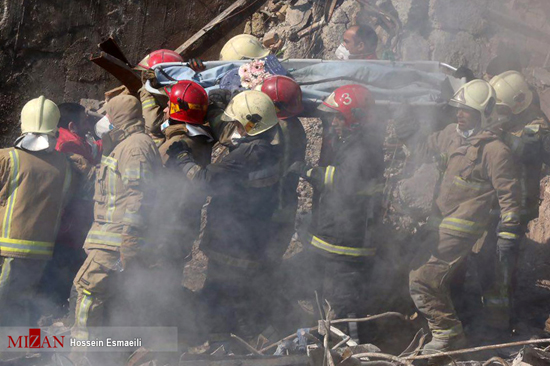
(397, 82)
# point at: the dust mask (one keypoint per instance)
(342, 52)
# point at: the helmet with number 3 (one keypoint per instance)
(353, 102)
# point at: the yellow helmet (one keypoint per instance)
(477, 95)
(252, 109)
(512, 91)
(40, 115)
(242, 47)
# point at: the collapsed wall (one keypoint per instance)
(45, 45)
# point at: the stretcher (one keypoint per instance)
(421, 84)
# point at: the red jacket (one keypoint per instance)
(69, 142)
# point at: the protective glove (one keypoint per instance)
(179, 153)
(404, 129)
(129, 251)
(507, 249)
(178, 148)
(404, 122)
(80, 164)
(196, 65)
(531, 148)
(298, 168)
(152, 77)
(220, 98)
(464, 72)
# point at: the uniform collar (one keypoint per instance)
(187, 129)
(36, 142)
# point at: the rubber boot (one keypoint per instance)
(438, 345)
(547, 325)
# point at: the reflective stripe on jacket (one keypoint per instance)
(124, 192)
(153, 113)
(34, 190)
(479, 170)
(348, 192)
(124, 188)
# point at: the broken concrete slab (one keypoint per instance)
(542, 76)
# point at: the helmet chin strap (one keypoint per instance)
(466, 134)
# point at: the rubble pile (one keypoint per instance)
(465, 33)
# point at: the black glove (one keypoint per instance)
(464, 72)
(404, 129)
(220, 97)
(196, 65)
(179, 154)
(177, 148)
(404, 122)
(298, 168)
(531, 148)
(507, 248)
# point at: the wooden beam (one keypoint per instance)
(230, 18)
(119, 70)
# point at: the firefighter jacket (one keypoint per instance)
(200, 145)
(153, 113)
(349, 191)
(34, 188)
(124, 191)
(177, 218)
(477, 171)
(293, 143)
(529, 140)
(244, 195)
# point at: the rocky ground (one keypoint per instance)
(45, 46)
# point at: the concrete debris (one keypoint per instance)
(531, 356)
(542, 76)
(270, 39)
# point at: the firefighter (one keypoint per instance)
(35, 186)
(153, 104)
(338, 245)
(243, 47)
(244, 195)
(287, 97)
(124, 194)
(358, 43)
(477, 167)
(526, 130)
(175, 222)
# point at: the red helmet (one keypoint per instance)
(352, 101)
(159, 57)
(285, 94)
(188, 102)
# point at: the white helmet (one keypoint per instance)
(40, 115)
(477, 95)
(252, 109)
(242, 47)
(512, 91)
